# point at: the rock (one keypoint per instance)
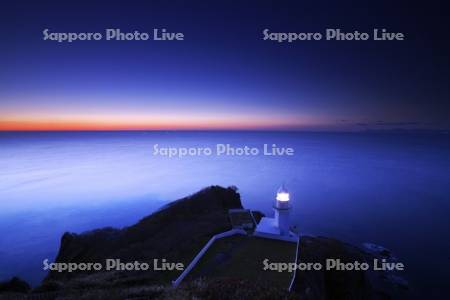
(398, 281)
(324, 284)
(14, 285)
(378, 250)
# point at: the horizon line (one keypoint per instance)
(293, 130)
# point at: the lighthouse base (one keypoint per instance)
(268, 228)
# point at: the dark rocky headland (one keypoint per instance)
(177, 232)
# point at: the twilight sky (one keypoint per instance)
(223, 75)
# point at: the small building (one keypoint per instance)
(242, 219)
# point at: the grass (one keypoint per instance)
(242, 257)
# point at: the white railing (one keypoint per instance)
(296, 261)
(205, 248)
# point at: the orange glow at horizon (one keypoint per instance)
(98, 123)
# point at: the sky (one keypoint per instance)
(223, 75)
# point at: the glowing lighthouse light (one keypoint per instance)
(283, 196)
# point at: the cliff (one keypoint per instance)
(177, 232)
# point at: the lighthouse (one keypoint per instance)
(282, 208)
(278, 226)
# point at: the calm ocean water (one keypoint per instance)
(388, 189)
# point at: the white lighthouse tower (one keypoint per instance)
(282, 208)
(278, 227)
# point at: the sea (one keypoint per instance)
(391, 189)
